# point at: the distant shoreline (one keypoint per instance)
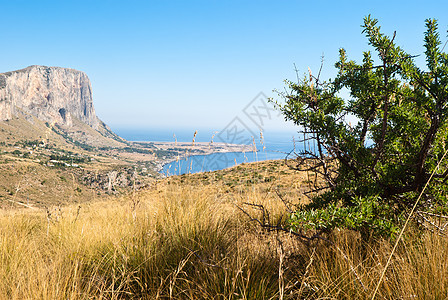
(186, 158)
(198, 163)
(194, 149)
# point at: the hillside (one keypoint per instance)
(54, 150)
(199, 237)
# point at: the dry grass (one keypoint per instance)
(188, 240)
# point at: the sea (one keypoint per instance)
(269, 145)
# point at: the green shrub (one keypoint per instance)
(373, 170)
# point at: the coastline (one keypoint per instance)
(209, 154)
(188, 149)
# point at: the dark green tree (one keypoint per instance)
(372, 171)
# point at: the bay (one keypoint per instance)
(269, 145)
(217, 161)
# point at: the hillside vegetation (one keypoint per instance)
(187, 237)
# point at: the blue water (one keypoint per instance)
(274, 145)
(217, 161)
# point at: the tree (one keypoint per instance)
(372, 171)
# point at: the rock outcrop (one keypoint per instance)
(52, 94)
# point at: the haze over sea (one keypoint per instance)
(274, 145)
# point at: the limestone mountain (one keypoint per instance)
(53, 147)
(56, 96)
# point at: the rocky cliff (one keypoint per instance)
(52, 94)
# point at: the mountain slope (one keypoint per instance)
(59, 97)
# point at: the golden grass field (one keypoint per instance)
(186, 238)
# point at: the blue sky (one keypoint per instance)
(196, 64)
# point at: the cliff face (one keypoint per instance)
(51, 94)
